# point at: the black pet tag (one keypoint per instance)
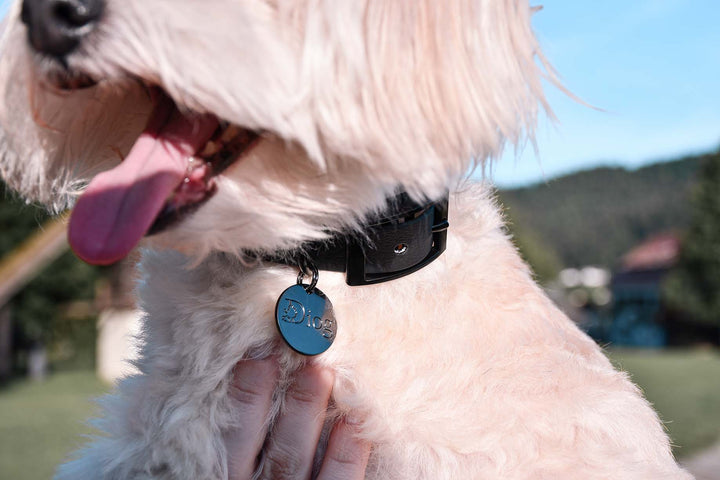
(305, 318)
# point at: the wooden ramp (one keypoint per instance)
(22, 264)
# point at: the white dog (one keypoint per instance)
(293, 127)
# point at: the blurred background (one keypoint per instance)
(617, 210)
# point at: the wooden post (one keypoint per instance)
(5, 342)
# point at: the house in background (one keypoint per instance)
(118, 324)
(638, 317)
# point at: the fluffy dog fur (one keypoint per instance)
(462, 370)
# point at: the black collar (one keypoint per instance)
(405, 238)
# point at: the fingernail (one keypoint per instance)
(313, 377)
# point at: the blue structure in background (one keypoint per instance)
(637, 313)
(638, 317)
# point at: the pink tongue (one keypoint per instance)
(120, 205)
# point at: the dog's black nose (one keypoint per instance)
(56, 27)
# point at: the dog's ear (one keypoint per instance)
(425, 85)
(52, 142)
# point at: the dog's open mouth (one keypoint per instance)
(169, 172)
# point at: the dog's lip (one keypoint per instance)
(213, 164)
(67, 81)
(231, 148)
(156, 184)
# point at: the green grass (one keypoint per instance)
(684, 387)
(42, 422)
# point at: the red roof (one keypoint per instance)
(659, 251)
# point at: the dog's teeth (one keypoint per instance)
(229, 133)
(211, 148)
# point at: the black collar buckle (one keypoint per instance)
(398, 246)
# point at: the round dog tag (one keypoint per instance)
(306, 320)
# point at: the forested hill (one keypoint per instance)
(594, 216)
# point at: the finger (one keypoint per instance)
(251, 391)
(295, 437)
(347, 455)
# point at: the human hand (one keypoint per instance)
(295, 436)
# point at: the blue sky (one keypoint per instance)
(653, 66)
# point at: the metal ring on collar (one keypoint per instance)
(308, 269)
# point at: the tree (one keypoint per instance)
(693, 288)
(542, 258)
(38, 310)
